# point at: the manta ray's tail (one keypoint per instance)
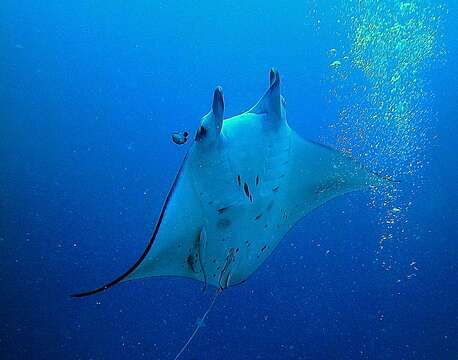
(199, 324)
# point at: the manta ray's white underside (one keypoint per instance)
(244, 183)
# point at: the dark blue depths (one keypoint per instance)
(90, 94)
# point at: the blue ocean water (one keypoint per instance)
(90, 94)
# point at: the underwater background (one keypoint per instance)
(90, 93)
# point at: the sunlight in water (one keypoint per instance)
(385, 107)
(391, 44)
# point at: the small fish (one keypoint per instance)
(180, 138)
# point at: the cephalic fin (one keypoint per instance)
(273, 74)
(271, 102)
(212, 123)
(218, 103)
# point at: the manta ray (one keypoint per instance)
(244, 183)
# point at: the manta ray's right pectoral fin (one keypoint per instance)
(132, 268)
(130, 271)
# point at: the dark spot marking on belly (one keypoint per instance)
(190, 261)
(246, 189)
(223, 209)
(269, 207)
(223, 223)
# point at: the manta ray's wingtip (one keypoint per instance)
(123, 277)
(386, 180)
(97, 290)
(87, 293)
(390, 179)
(126, 274)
